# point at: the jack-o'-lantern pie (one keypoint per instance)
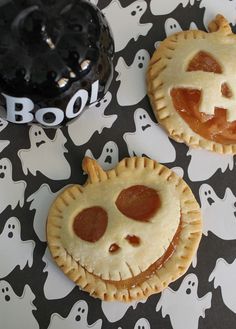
(128, 232)
(192, 87)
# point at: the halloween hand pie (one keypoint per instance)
(128, 232)
(192, 87)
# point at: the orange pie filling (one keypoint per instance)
(137, 202)
(186, 102)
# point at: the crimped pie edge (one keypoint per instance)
(168, 117)
(172, 269)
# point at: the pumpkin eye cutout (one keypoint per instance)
(90, 224)
(203, 61)
(138, 202)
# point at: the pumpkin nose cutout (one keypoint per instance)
(138, 202)
(91, 223)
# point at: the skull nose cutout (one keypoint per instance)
(90, 224)
(138, 202)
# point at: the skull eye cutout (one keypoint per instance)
(90, 224)
(138, 202)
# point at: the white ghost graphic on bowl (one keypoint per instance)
(45, 155)
(77, 318)
(57, 285)
(204, 164)
(11, 192)
(218, 214)
(16, 312)
(149, 139)
(183, 306)
(14, 251)
(223, 276)
(91, 120)
(133, 75)
(109, 157)
(116, 310)
(125, 22)
(227, 8)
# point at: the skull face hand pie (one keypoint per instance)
(128, 232)
(192, 87)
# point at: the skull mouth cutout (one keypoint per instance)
(118, 232)
(191, 85)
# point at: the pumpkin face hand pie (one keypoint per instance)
(192, 87)
(128, 232)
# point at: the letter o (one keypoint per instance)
(58, 113)
(83, 95)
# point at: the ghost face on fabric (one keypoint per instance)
(133, 75)
(19, 253)
(183, 306)
(77, 318)
(149, 139)
(130, 16)
(219, 215)
(54, 165)
(12, 192)
(109, 156)
(16, 312)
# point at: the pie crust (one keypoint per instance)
(132, 258)
(168, 70)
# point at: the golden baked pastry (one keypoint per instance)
(192, 87)
(128, 232)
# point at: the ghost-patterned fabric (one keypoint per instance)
(124, 215)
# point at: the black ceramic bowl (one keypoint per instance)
(55, 58)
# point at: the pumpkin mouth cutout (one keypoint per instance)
(187, 102)
(138, 202)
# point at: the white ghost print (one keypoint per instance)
(40, 201)
(11, 192)
(90, 121)
(172, 26)
(13, 251)
(142, 324)
(223, 276)
(227, 8)
(109, 156)
(149, 139)
(167, 6)
(115, 311)
(204, 164)
(183, 306)
(218, 214)
(3, 124)
(179, 171)
(125, 22)
(16, 312)
(3, 144)
(57, 285)
(133, 75)
(76, 319)
(95, 2)
(45, 155)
